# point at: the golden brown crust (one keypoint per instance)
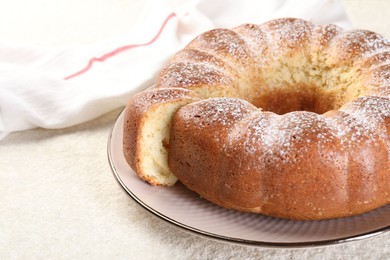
(206, 123)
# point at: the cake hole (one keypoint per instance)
(298, 98)
(298, 84)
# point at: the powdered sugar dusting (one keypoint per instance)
(357, 44)
(376, 59)
(227, 46)
(220, 112)
(197, 56)
(256, 40)
(367, 42)
(379, 75)
(154, 96)
(192, 74)
(371, 114)
(223, 41)
(351, 132)
(323, 34)
(288, 34)
(287, 137)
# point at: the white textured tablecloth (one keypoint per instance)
(58, 198)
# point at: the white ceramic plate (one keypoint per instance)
(185, 209)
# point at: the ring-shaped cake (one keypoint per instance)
(287, 119)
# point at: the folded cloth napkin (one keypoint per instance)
(63, 86)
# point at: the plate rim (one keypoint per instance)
(227, 239)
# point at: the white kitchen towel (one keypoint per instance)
(63, 86)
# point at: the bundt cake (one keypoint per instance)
(287, 119)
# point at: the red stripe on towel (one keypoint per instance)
(120, 49)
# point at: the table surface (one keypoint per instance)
(58, 197)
